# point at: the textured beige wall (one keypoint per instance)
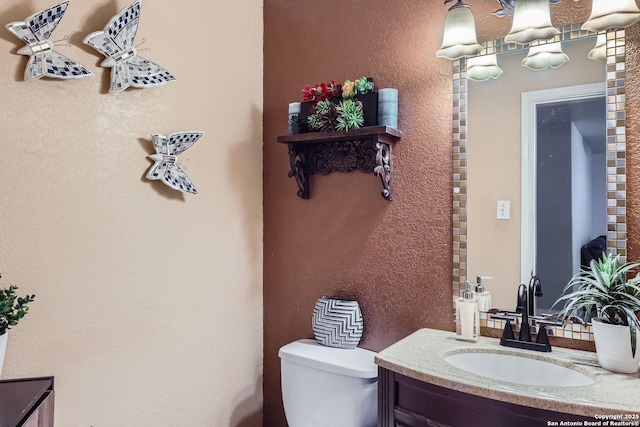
(149, 303)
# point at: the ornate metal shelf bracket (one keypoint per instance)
(366, 149)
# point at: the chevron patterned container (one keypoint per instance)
(337, 322)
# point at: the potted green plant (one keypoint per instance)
(605, 295)
(12, 309)
(339, 107)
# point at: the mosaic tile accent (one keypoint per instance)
(616, 160)
(573, 331)
(460, 88)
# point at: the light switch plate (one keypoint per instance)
(503, 209)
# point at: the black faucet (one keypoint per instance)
(523, 307)
(535, 290)
(525, 294)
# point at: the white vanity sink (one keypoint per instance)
(518, 369)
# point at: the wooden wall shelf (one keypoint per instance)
(366, 149)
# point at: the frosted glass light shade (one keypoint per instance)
(482, 68)
(599, 51)
(607, 14)
(531, 22)
(459, 37)
(544, 56)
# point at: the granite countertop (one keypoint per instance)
(421, 356)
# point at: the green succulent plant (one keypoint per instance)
(323, 117)
(350, 115)
(364, 85)
(323, 107)
(603, 290)
(12, 307)
(314, 121)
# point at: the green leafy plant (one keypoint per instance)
(324, 117)
(604, 290)
(329, 114)
(12, 307)
(350, 115)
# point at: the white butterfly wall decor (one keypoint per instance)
(166, 166)
(116, 44)
(43, 60)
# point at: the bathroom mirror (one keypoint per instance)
(489, 163)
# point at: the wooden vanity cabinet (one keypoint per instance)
(407, 402)
(27, 402)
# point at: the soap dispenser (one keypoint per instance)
(483, 296)
(467, 316)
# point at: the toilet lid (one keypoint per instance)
(357, 362)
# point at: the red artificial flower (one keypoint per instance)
(308, 93)
(335, 89)
(321, 91)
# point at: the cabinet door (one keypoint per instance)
(405, 401)
(43, 415)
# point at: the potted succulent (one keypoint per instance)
(12, 309)
(339, 106)
(604, 295)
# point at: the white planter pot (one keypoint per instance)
(613, 347)
(3, 348)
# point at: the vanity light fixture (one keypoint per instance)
(459, 37)
(599, 51)
(544, 56)
(531, 22)
(506, 7)
(606, 14)
(482, 68)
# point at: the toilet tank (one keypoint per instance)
(328, 387)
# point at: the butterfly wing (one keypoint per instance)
(138, 72)
(59, 66)
(38, 27)
(120, 79)
(181, 141)
(166, 170)
(175, 178)
(123, 27)
(175, 143)
(117, 37)
(144, 73)
(35, 67)
(23, 32)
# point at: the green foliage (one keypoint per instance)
(604, 289)
(323, 117)
(350, 115)
(12, 307)
(364, 85)
(314, 121)
(323, 107)
(329, 116)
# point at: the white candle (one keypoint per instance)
(294, 112)
(388, 107)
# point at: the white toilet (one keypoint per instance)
(328, 387)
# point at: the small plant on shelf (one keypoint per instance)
(350, 115)
(12, 307)
(334, 106)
